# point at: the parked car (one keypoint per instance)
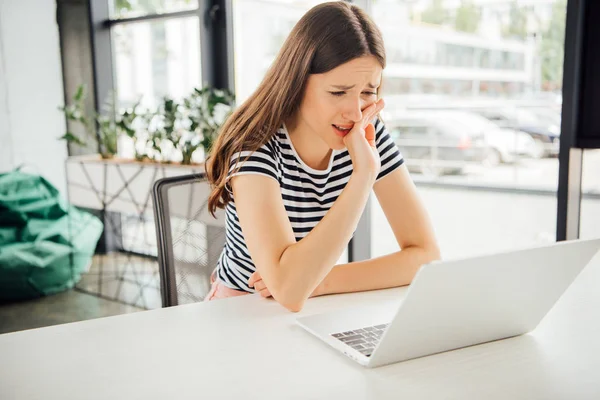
(505, 145)
(551, 116)
(544, 132)
(438, 142)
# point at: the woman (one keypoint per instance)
(294, 166)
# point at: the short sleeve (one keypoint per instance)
(390, 156)
(259, 162)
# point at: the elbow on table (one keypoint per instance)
(428, 253)
(294, 307)
(291, 304)
(288, 297)
(434, 253)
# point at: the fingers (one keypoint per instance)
(372, 111)
(261, 288)
(255, 281)
(370, 134)
(253, 278)
(259, 285)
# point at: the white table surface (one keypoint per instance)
(249, 347)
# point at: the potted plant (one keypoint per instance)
(130, 121)
(206, 111)
(108, 128)
(173, 127)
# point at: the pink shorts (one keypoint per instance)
(219, 291)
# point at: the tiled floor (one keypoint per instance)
(124, 278)
(69, 306)
(116, 284)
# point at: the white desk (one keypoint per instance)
(248, 347)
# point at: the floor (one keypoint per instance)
(124, 278)
(115, 284)
(69, 306)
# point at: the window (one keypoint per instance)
(434, 66)
(260, 28)
(143, 50)
(156, 59)
(477, 87)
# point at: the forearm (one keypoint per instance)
(392, 270)
(304, 264)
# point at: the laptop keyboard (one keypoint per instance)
(363, 340)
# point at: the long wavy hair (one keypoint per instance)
(327, 36)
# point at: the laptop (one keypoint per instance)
(459, 303)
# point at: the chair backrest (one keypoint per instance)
(189, 239)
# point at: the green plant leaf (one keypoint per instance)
(71, 138)
(80, 93)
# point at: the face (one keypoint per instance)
(333, 102)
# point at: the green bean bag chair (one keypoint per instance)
(45, 243)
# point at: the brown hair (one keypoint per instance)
(327, 36)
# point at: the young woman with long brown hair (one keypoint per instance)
(294, 165)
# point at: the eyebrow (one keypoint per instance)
(343, 87)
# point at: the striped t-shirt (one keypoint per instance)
(307, 193)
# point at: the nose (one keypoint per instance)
(353, 109)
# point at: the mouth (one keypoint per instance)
(341, 130)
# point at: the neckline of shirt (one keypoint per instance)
(299, 159)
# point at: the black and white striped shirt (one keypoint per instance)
(307, 194)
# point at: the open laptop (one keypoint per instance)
(454, 304)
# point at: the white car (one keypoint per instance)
(505, 145)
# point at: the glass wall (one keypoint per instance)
(156, 59)
(260, 28)
(153, 59)
(473, 93)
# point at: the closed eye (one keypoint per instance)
(341, 93)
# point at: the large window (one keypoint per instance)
(156, 59)
(482, 79)
(260, 28)
(486, 77)
(147, 51)
(484, 87)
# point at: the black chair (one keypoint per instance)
(189, 239)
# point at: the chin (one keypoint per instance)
(338, 145)
(335, 143)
